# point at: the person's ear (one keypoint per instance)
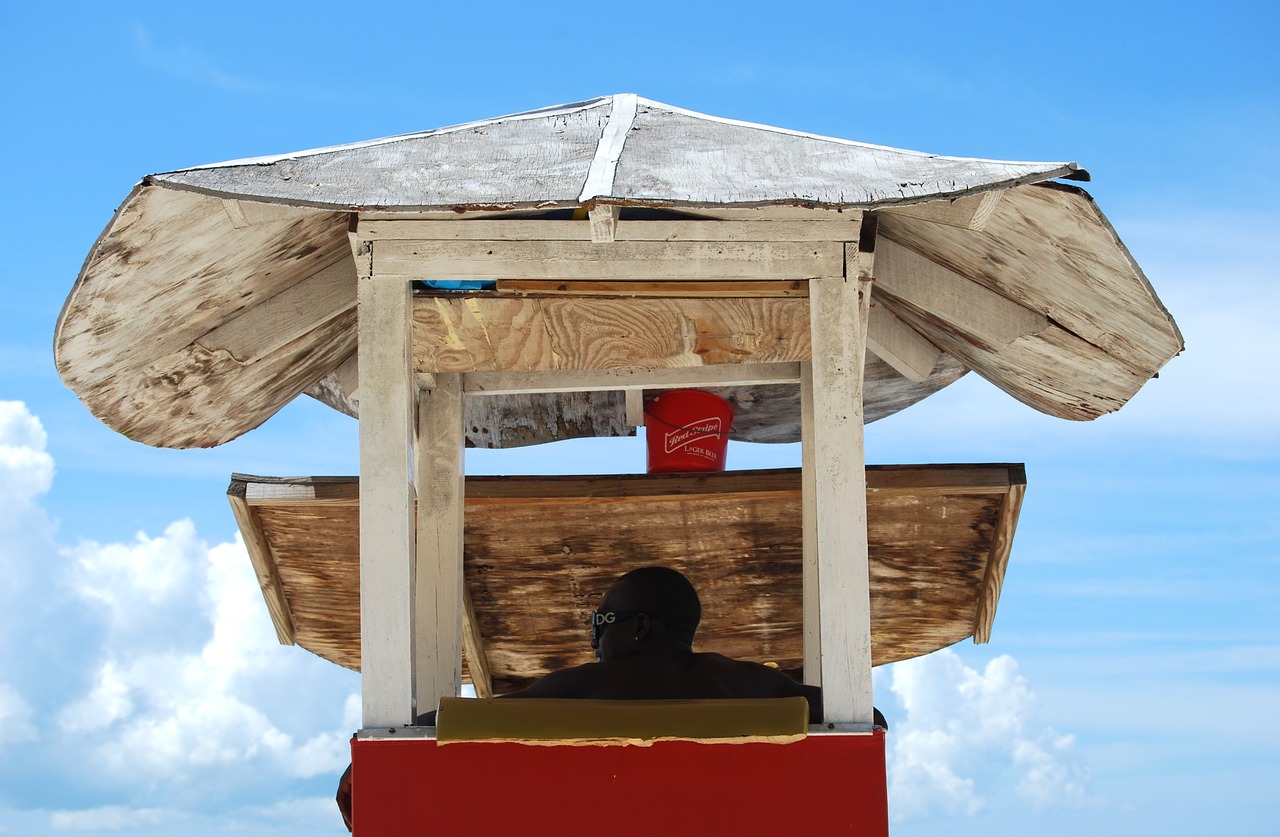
(643, 624)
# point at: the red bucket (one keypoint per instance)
(687, 430)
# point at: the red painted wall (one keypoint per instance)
(824, 784)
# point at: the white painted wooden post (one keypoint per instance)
(438, 595)
(387, 402)
(835, 488)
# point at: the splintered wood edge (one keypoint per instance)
(264, 565)
(998, 561)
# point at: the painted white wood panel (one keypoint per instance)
(642, 260)
(438, 586)
(386, 503)
(837, 466)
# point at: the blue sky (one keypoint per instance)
(1131, 682)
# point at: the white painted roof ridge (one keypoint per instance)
(599, 181)
(572, 107)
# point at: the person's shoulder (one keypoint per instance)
(743, 671)
(576, 682)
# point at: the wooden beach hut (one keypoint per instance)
(535, 277)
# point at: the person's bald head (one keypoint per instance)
(665, 595)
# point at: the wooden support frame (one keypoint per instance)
(620, 260)
(438, 588)
(387, 539)
(743, 374)
(899, 345)
(836, 581)
(516, 229)
(836, 569)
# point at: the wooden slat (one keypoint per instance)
(635, 407)
(548, 334)
(438, 589)
(804, 225)
(621, 260)
(1017, 349)
(499, 383)
(1001, 547)
(899, 345)
(971, 212)
(888, 480)
(288, 315)
(1049, 249)
(810, 601)
(264, 565)
(387, 504)
(473, 648)
(965, 306)
(723, 289)
(604, 223)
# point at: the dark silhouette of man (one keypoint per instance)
(643, 636)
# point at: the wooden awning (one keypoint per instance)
(541, 551)
(219, 293)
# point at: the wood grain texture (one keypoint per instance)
(535, 334)
(1049, 250)
(157, 282)
(438, 602)
(191, 252)
(644, 261)
(540, 551)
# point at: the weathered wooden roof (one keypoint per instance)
(541, 551)
(217, 294)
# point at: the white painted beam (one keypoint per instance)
(644, 261)
(438, 586)
(725, 374)
(835, 473)
(386, 502)
(516, 229)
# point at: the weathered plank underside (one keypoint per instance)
(218, 294)
(541, 551)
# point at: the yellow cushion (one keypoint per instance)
(563, 720)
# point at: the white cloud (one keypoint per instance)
(166, 690)
(114, 818)
(965, 732)
(15, 717)
(171, 710)
(181, 60)
(135, 580)
(26, 469)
